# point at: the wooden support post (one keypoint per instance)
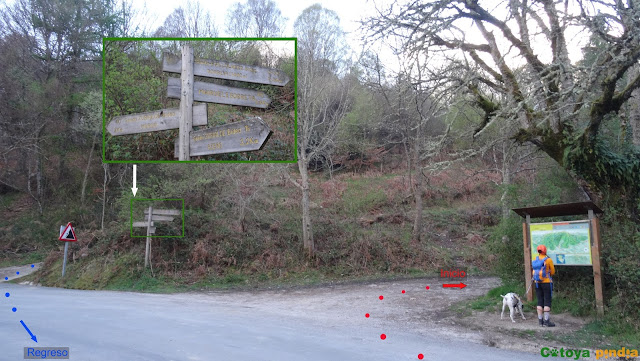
(186, 102)
(527, 257)
(594, 227)
(148, 246)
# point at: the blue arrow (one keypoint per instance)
(33, 337)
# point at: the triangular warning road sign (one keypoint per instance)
(68, 234)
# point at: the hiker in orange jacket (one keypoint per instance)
(543, 269)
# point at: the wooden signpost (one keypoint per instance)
(227, 70)
(154, 121)
(242, 136)
(214, 93)
(157, 215)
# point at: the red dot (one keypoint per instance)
(383, 336)
(381, 297)
(427, 287)
(420, 356)
(402, 291)
(366, 315)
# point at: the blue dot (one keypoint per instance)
(33, 265)
(14, 309)
(6, 294)
(17, 273)
(6, 278)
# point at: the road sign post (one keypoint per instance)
(148, 246)
(64, 262)
(67, 234)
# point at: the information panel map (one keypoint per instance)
(568, 243)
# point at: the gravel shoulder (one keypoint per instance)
(14, 272)
(418, 310)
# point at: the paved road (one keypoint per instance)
(101, 325)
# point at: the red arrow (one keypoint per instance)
(461, 285)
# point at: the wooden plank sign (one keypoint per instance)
(165, 212)
(227, 70)
(242, 136)
(144, 225)
(154, 121)
(158, 218)
(214, 93)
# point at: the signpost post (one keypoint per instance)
(157, 215)
(186, 101)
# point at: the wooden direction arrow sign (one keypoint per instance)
(214, 93)
(154, 121)
(227, 70)
(141, 224)
(158, 218)
(242, 136)
(164, 212)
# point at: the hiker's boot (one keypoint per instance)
(541, 322)
(548, 323)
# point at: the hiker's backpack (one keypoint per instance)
(540, 271)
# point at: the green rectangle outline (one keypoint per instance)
(153, 199)
(295, 90)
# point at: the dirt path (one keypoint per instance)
(14, 272)
(417, 310)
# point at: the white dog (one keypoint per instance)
(513, 301)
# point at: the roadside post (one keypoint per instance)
(67, 234)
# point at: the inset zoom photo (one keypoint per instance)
(207, 100)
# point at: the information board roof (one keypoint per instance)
(555, 210)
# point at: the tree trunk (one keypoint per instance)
(86, 171)
(307, 233)
(104, 192)
(39, 181)
(506, 178)
(417, 192)
(634, 117)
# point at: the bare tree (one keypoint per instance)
(415, 108)
(255, 18)
(559, 106)
(190, 20)
(323, 96)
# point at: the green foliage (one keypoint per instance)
(509, 250)
(604, 168)
(357, 130)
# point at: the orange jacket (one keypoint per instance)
(550, 269)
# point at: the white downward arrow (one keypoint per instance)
(134, 189)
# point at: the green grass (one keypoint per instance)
(611, 331)
(23, 259)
